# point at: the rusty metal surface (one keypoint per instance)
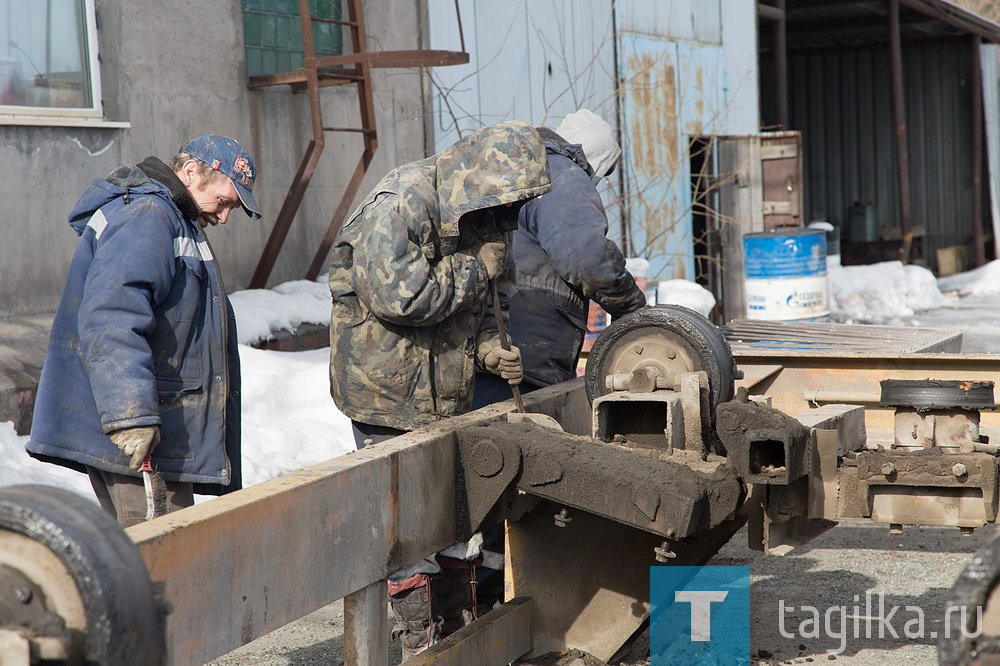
(403, 58)
(779, 518)
(929, 488)
(763, 444)
(803, 375)
(241, 565)
(590, 579)
(673, 496)
(366, 624)
(496, 639)
(780, 338)
(781, 175)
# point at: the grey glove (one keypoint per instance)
(491, 253)
(136, 442)
(506, 363)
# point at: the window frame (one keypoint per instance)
(92, 115)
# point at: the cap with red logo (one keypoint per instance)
(227, 156)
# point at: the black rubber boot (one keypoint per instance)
(418, 625)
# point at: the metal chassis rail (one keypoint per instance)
(797, 382)
(245, 564)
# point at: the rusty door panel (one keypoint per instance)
(672, 95)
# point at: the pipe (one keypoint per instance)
(899, 122)
(977, 155)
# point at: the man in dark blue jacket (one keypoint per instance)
(142, 356)
(564, 259)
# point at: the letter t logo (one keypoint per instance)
(701, 610)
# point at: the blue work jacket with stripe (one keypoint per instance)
(144, 335)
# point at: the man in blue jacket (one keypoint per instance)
(142, 357)
(564, 259)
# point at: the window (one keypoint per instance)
(273, 37)
(48, 62)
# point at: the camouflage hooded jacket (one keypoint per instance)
(410, 297)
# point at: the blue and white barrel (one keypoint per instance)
(785, 274)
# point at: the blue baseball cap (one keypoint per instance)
(227, 156)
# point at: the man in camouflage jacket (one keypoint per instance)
(412, 318)
(411, 302)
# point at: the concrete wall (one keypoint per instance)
(175, 70)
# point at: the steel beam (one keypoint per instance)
(496, 639)
(244, 564)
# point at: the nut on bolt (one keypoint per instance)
(959, 469)
(562, 518)
(663, 553)
(23, 594)
(888, 468)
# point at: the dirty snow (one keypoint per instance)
(290, 421)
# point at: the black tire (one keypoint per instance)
(123, 626)
(928, 394)
(682, 327)
(972, 590)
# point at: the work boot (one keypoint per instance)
(454, 593)
(490, 589)
(418, 625)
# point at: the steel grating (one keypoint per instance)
(784, 338)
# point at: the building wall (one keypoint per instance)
(175, 70)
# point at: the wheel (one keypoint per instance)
(962, 642)
(672, 339)
(88, 572)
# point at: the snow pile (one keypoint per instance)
(262, 312)
(978, 282)
(684, 292)
(884, 293)
(18, 468)
(289, 419)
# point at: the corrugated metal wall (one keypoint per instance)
(842, 103)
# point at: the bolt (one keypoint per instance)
(888, 468)
(663, 553)
(895, 528)
(562, 518)
(638, 349)
(967, 531)
(958, 469)
(23, 594)
(671, 354)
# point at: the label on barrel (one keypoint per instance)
(786, 299)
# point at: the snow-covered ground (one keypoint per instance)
(290, 421)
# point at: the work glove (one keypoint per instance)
(506, 363)
(136, 442)
(491, 253)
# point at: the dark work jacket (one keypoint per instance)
(564, 260)
(143, 336)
